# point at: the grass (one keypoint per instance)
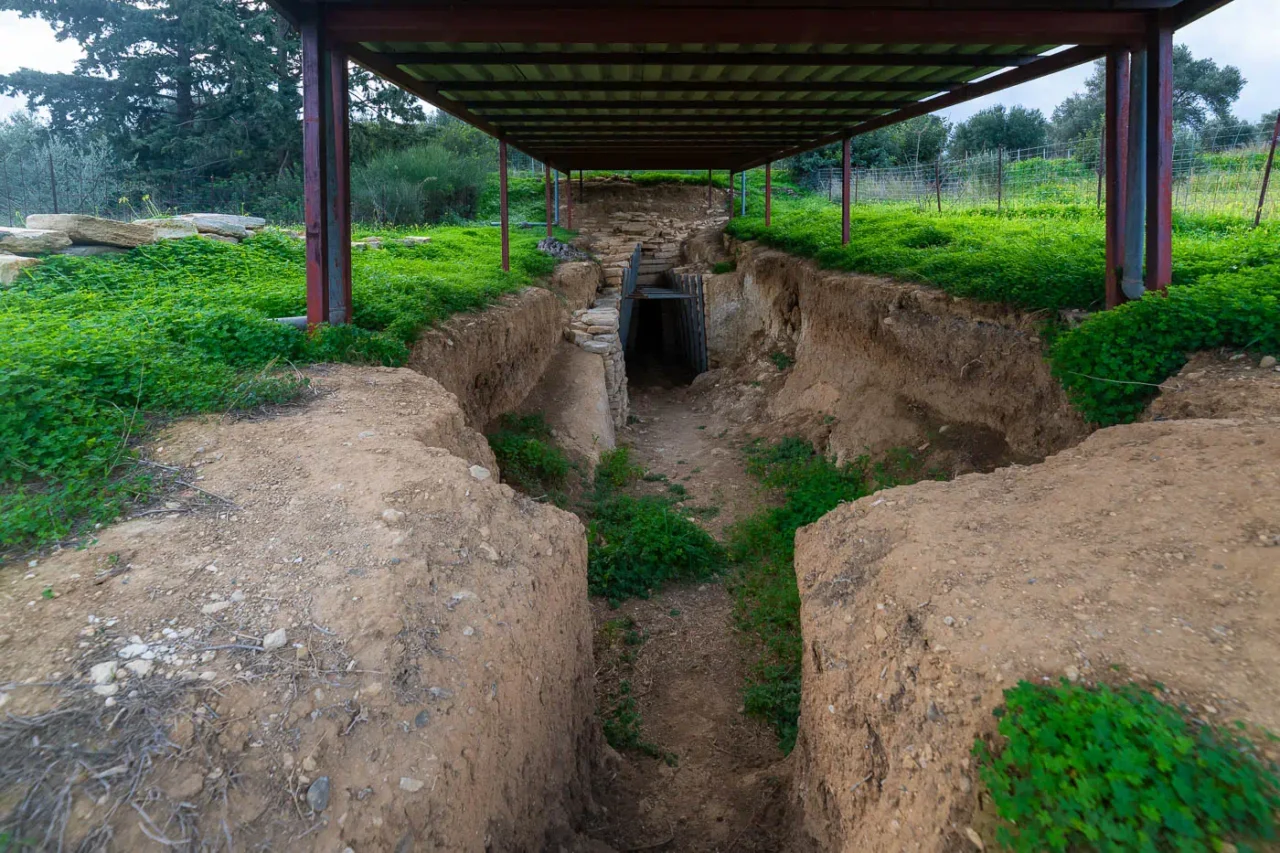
(762, 550)
(1033, 257)
(95, 351)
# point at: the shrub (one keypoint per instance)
(1112, 363)
(527, 457)
(424, 183)
(636, 544)
(1099, 769)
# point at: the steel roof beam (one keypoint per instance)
(1048, 65)
(788, 104)
(637, 24)
(710, 86)
(589, 121)
(452, 59)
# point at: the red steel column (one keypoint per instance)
(546, 183)
(338, 167)
(1115, 147)
(1159, 157)
(568, 199)
(502, 205)
(315, 185)
(768, 194)
(845, 157)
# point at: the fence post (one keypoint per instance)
(1266, 174)
(937, 180)
(53, 181)
(999, 179)
(1102, 153)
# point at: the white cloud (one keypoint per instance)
(1244, 33)
(30, 43)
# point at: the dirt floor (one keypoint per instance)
(723, 783)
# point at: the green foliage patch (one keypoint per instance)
(637, 543)
(95, 350)
(1112, 363)
(527, 456)
(762, 550)
(1083, 768)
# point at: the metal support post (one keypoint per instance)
(1115, 150)
(502, 205)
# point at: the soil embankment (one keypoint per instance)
(492, 359)
(1146, 553)
(363, 642)
(887, 364)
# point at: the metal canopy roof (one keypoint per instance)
(715, 84)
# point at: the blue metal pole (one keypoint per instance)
(1135, 213)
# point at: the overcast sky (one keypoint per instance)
(1246, 33)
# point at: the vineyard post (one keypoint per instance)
(1266, 174)
(937, 180)
(999, 179)
(53, 181)
(1102, 153)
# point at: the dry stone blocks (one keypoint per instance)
(94, 230)
(30, 241)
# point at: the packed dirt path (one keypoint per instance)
(722, 785)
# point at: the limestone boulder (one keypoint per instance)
(30, 241)
(94, 230)
(11, 266)
(169, 228)
(224, 224)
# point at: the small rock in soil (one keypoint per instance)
(318, 794)
(480, 472)
(275, 640)
(974, 837)
(411, 785)
(103, 673)
(422, 719)
(1267, 361)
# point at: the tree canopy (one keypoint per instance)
(1000, 127)
(190, 88)
(1203, 92)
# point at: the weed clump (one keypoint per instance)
(636, 544)
(1083, 768)
(528, 458)
(1112, 363)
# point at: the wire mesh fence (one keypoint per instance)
(1219, 173)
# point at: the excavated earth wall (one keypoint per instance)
(887, 363)
(364, 642)
(1148, 553)
(492, 359)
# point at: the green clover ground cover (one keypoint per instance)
(1092, 768)
(93, 350)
